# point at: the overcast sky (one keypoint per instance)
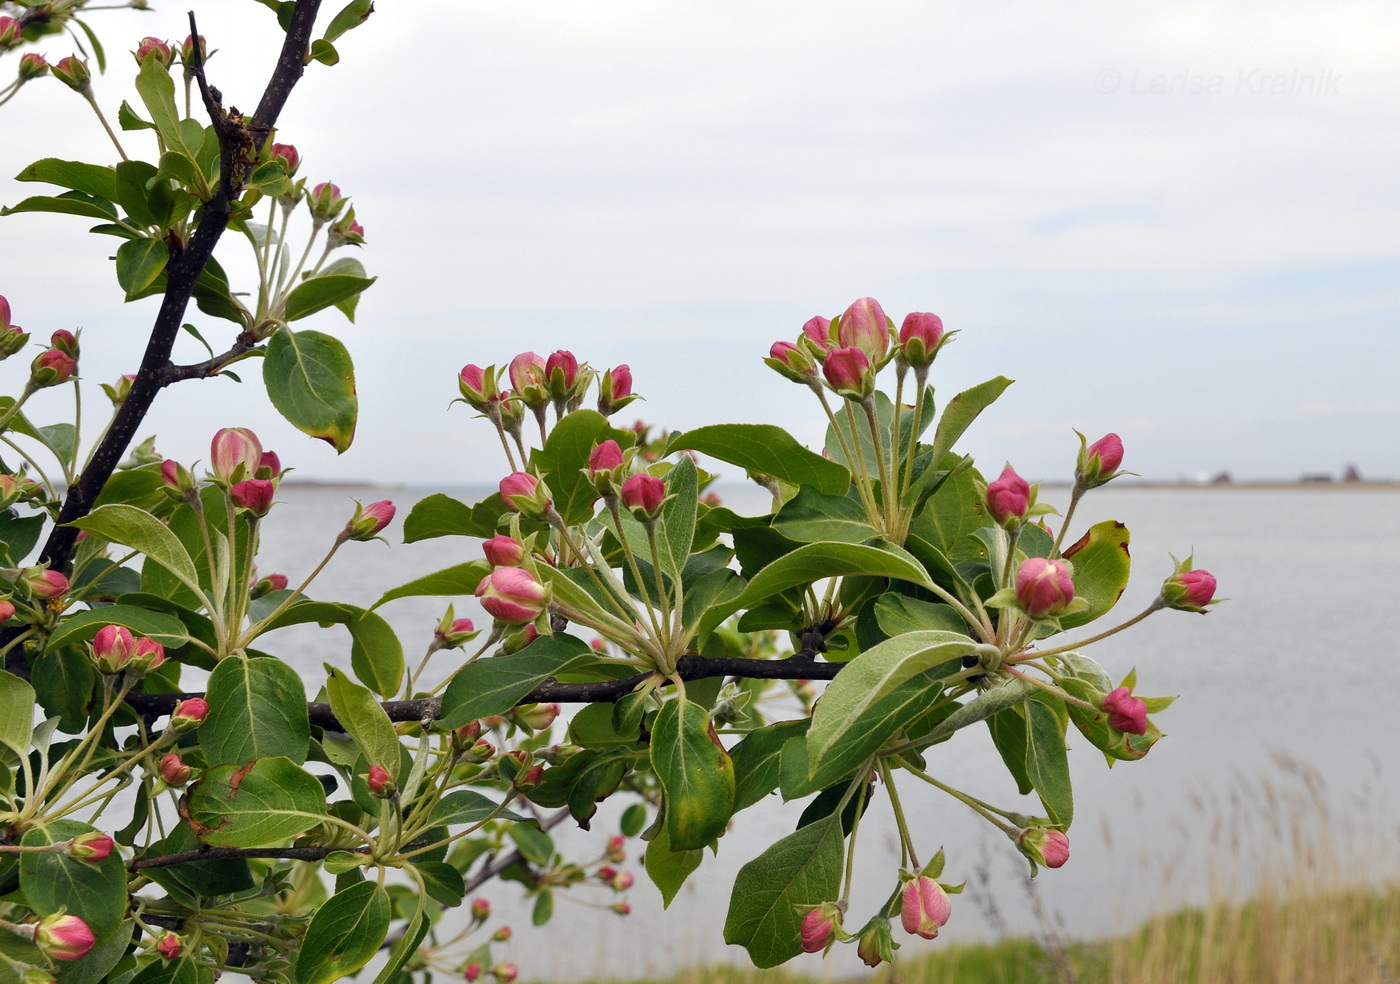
(1179, 223)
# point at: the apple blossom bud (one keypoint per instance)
(169, 946)
(1126, 713)
(118, 392)
(607, 469)
(187, 49)
(32, 66)
(1189, 590)
(253, 495)
(453, 632)
(481, 909)
(816, 337)
(234, 454)
(819, 927)
(42, 583)
(561, 374)
(287, 154)
(7, 610)
(189, 714)
(174, 770)
(66, 342)
(876, 944)
(615, 390)
(154, 48)
(1044, 587)
(176, 481)
(606, 873)
(501, 935)
(644, 495)
(147, 655)
(920, 338)
(269, 466)
(792, 362)
(325, 202)
(368, 521)
(73, 72)
(345, 231)
(1045, 847)
(91, 847)
(865, 326)
(527, 375)
(51, 367)
(848, 372)
(616, 852)
(9, 31)
(925, 907)
(524, 493)
(622, 881)
(622, 908)
(267, 584)
(480, 388)
(12, 339)
(1008, 499)
(472, 972)
(1098, 462)
(381, 784)
(536, 717)
(505, 972)
(512, 595)
(503, 551)
(64, 937)
(112, 647)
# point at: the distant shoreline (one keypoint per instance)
(333, 485)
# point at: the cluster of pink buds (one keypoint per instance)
(618, 881)
(538, 382)
(237, 463)
(115, 650)
(57, 363)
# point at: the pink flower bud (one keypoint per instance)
(176, 481)
(187, 49)
(1098, 463)
(32, 66)
(503, 551)
(1126, 713)
(481, 909)
(42, 583)
(606, 468)
(112, 647)
(920, 338)
(645, 495)
(154, 48)
(65, 341)
(91, 847)
(848, 372)
(7, 610)
(512, 595)
(616, 852)
(561, 374)
(51, 367)
(816, 333)
(1189, 590)
(527, 375)
(622, 881)
(1045, 847)
(793, 362)
(472, 972)
(524, 493)
(118, 392)
(253, 495)
(169, 946)
(287, 154)
(454, 632)
(1044, 588)
(536, 717)
(502, 934)
(269, 466)
(1008, 498)
(368, 521)
(925, 907)
(819, 927)
(264, 586)
(73, 72)
(607, 873)
(64, 937)
(615, 390)
(381, 784)
(876, 944)
(189, 713)
(174, 770)
(325, 202)
(480, 388)
(866, 327)
(622, 908)
(9, 31)
(505, 972)
(147, 656)
(234, 454)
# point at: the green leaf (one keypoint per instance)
(138, 529)
(53, 881)
(128, 120)
(950, 517)
(696, 773)
(351, 16)
(669, 869)
(897, 614)
(90, 179)
(564, 456)
(455, 581)
(596, 780)
(16, 718)
(346, 931)
(1101, 569)
(466, 806)
(405, 946)
(19, 535)
(157, 90)
(874, 674)
(444, 883)
(258, 804)
(983, 706)
(194, 880)
(533, 843)
(441, 515)
(376, 655)
(493, 685)
(677, 529)
(69, 203)
(311, 382)
(322, 292)
(364, 720)
(767, 450)
(774, 891)
(758, 760)
(811, 517)
(815, 561)
(962, 410)
(132, 180)
(257, 709)
(884, 416)
(82, 626)
(64, 684)
(1047, 761)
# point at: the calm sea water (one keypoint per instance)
(1285, 702)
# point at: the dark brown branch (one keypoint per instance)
(802, 666)
(209, 367)
(206, 853)
(494, 868)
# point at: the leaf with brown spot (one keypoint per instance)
(1101, 569)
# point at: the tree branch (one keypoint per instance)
(799, 666)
